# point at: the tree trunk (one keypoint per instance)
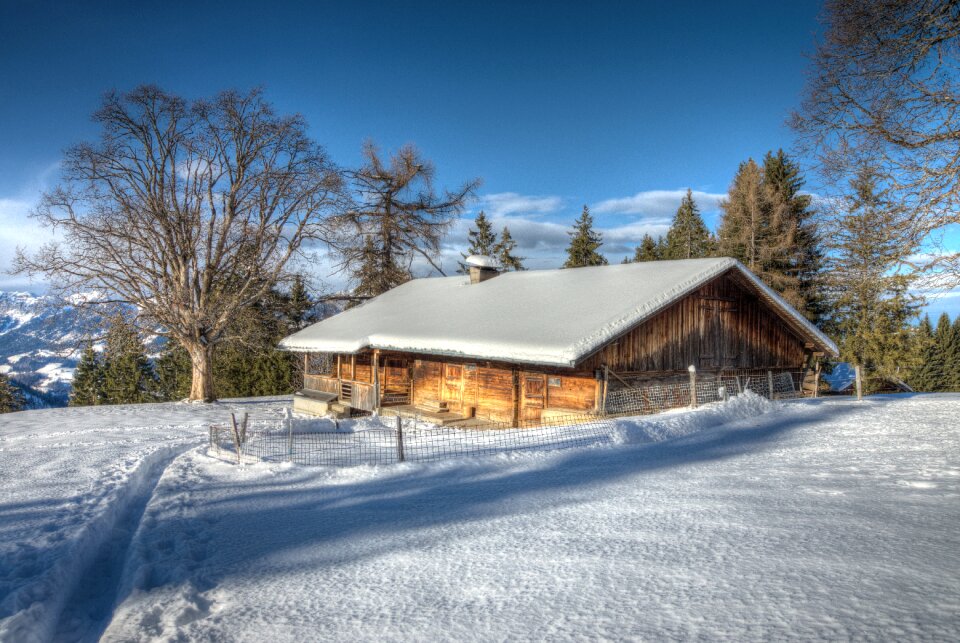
(201, 386)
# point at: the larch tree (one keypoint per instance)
(503, 252)
(396, 216)
(870, 300)
(584, 243)
(767, 224)
(797, 254)
(884, 89)
(188, 211)
(688, 236)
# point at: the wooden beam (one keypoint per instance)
(376, 377)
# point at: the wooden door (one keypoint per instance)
(719, 343)
(533, 395)
(451, 387)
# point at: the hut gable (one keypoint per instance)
(562, 318)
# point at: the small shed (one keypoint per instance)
(518, 346)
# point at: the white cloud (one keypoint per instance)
(657, 203)
(506, 203)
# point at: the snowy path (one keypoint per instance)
(73, 483)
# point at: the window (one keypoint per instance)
(555, 382)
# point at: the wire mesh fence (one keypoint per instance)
(388, 440)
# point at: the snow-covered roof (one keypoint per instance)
(550, 317)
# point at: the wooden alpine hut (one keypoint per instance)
(523, 346)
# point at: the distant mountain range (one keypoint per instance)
(40, 343)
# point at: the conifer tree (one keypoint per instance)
(503, 252)
(127, 373)
(872, 307)
(11, 399)
(584, 243)
(482, 238)
(943, 338)
(951, 365)
(648, 250)
(87, 386)
(688, 237)
(299, 305)
(767, 225)
(929, 371)
(377, 272)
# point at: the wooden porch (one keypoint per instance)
(362, 382)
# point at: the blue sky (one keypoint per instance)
(617, 105)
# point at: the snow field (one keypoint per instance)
(751, 520)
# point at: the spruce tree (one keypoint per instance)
(584, 243)
(951, 365)
(688, 237)
(376, 272)
(299, 305)
(648, 250)
(503, 252)
(174, 372)
(872, 307)
(943, 339)
(11, 399)
(929, 371)
(127, 373)
(87, 386)
(482, 238)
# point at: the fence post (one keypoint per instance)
(693, 386)
(859, 375)
(739, 385)
(400, 439)
(770, 383)
(289, 419)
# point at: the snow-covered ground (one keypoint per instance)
(754, 520)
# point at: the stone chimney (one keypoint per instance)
(481, 268)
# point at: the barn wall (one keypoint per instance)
(721, 326)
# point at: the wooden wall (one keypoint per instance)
(721, 326)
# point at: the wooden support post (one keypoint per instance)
(739, 384)
(816, 380)
(338, 367)
(353, 368)
(859, 378)
(606, 386)
(693, 386)
(770, 384)
(376, 378)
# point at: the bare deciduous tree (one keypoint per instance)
(188, 211)
(397, 216)
(884, 91)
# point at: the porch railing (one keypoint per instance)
(321, 383)
(359, 395)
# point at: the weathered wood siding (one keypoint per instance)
(721, 326)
